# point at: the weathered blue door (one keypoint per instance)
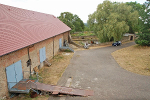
(11, 76)
(14, 74)
(18, 70)
(60, 42)
(42, 54)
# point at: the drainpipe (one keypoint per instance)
(63, 38)
(29, 58)
(53, 46)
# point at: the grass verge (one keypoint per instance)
(135, 59)
(52, 74)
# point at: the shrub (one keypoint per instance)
(143, 39)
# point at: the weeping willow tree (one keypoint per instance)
(110, 20)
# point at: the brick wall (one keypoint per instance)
(66, 36)
(22, 55)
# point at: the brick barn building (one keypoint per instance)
(26, 35)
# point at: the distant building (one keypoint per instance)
(131, 36)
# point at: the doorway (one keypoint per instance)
(14, 74)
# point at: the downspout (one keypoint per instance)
(53, 46)
(29, 58)
(63, 36)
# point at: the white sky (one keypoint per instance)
(80, 7)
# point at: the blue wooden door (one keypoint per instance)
(11, 76)
(14, 74)
(42, 54)
(60, 42)
(18, 70)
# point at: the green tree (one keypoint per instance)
(110, 20)
(143, 16)
(78, 23)
(146, 18)
(67, 18)
(86, 27)
(143, 39)
(73, 21)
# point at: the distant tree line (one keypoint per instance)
(112, 19)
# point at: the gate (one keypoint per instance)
(14, 74)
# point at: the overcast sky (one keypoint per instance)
(80, 7)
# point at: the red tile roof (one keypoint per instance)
(20, 28)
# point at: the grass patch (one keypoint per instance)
(135, 59)
(67, 50)
(52, 74)
(57, 58)
(81, 43)
(33, 77)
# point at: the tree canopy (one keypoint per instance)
(143, 39)
(111, 19)
(144, 15)
(73, 21)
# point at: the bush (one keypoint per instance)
(143, 39)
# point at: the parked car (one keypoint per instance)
(117, 43)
